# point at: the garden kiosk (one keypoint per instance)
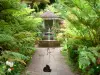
(50, 20)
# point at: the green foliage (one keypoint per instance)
(14, 20)
(6, 38)
(86, 57)
(95, 70)
(22, 35)
(18, 33)
(7, 41)
(14, 56)
(82, 33)
(26, 41)
(2, 69)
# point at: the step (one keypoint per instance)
(49, 43)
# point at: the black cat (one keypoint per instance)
(47, 69)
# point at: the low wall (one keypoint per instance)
(49, 43)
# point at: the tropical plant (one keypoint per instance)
(83, 23)
(86, 56)
(18, 32)
(14, 56)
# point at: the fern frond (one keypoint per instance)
(86, 57)
(5, 38)
(14, 56)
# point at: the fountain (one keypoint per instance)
(48, 35)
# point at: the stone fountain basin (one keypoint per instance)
(49, 43)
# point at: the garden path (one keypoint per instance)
(56, 62)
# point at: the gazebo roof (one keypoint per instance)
(49, 15)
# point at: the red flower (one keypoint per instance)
(12, 68)
(98, 60)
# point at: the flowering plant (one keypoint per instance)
(10, 65)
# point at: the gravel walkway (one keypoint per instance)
(55, 60)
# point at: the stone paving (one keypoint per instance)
(55, 60)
